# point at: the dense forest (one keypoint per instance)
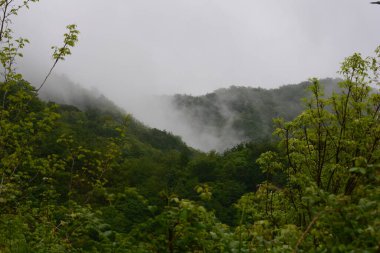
(89, 178)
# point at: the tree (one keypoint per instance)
(25, 121)
(331, 158)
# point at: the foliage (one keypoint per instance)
(330, 159)
(183, 226)
(95, 180)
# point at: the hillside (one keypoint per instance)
(78, 174)
(92, 179)
(240, 114)
(216, 121)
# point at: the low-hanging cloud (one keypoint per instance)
(141, 51)
(195, 47)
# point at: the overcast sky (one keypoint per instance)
(130, 47)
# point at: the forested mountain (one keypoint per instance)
(78, 175)
(95, 174)
(240, 114)
(63, 91)
(216, 121)
(95, 180)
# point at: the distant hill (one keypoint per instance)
(73, 97)
(216, 121)
(240, 114)
(61, 90)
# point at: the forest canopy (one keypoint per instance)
(91, 180)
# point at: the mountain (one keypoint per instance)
(92, 179)
(240, 114)
(216, 121)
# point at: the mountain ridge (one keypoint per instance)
(217, 120)
(246, 113)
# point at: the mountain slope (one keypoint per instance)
(239, 114)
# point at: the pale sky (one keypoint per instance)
(132, 47)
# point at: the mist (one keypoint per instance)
(161, 112)
(216, 121)
(140, 53)
(156, 111)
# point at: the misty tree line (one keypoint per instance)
(227, 117)
(93, 180)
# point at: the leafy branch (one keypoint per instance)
(70, 39)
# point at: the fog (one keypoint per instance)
(157, 111)
(162, 113)
(136, 51)
(215, 121)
